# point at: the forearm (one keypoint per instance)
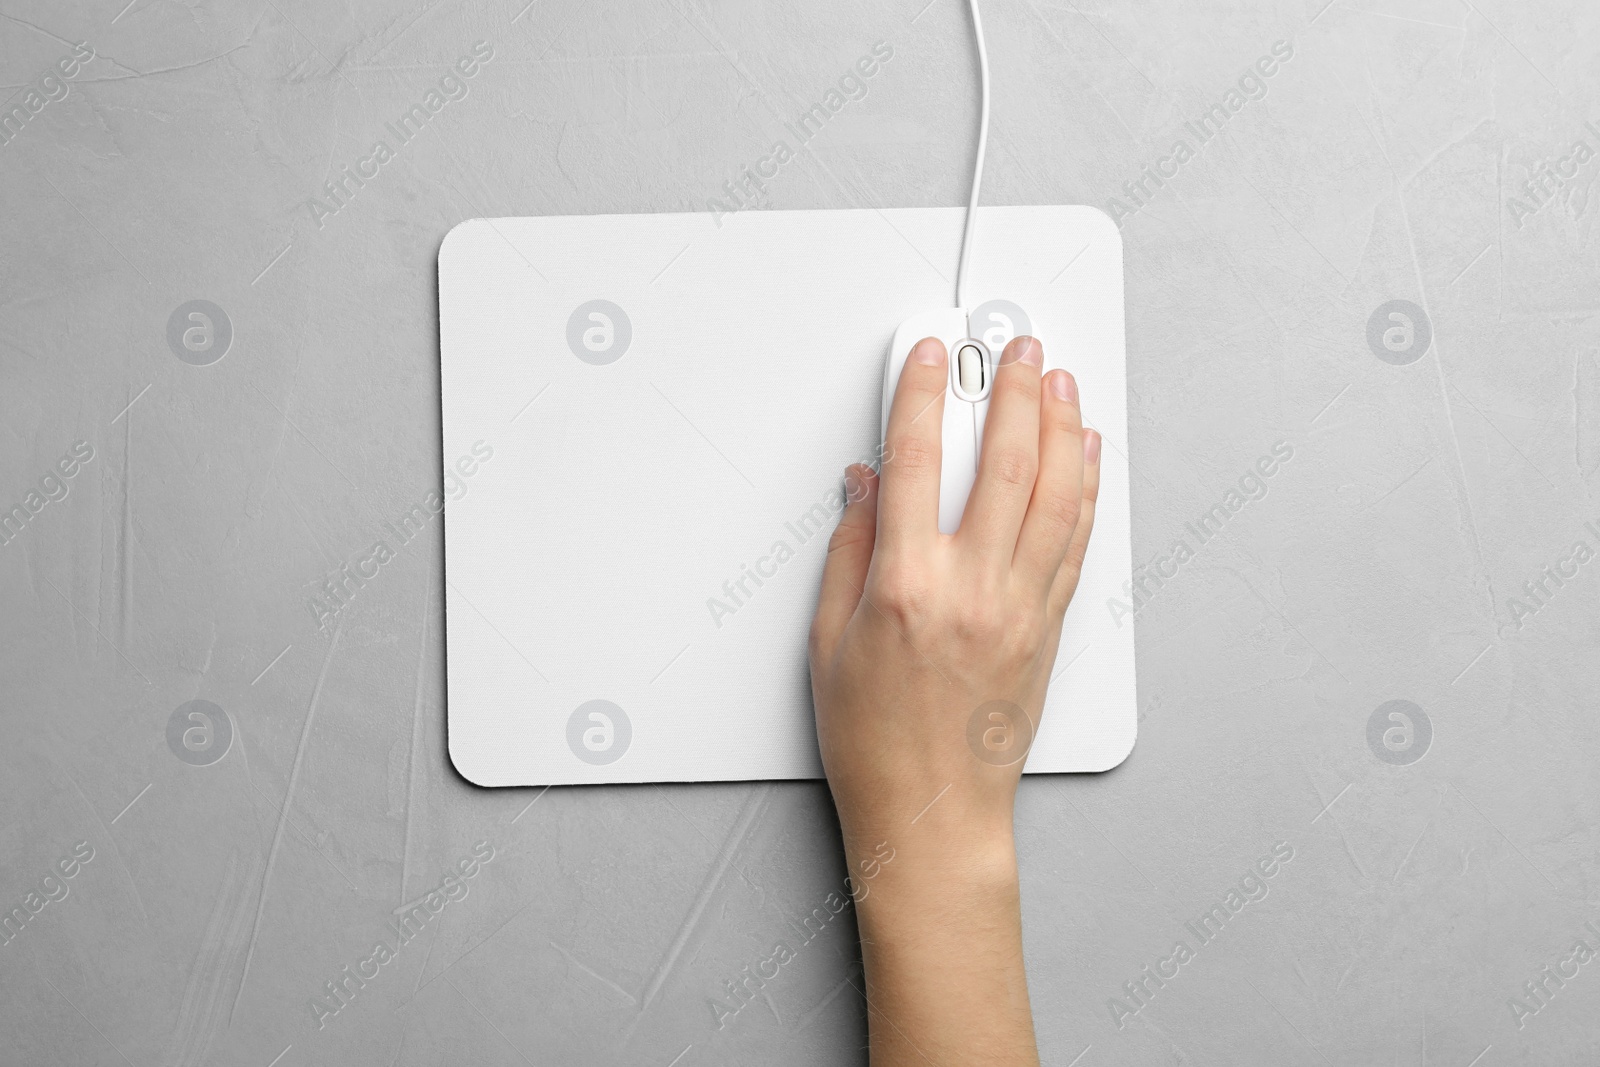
(941, 936)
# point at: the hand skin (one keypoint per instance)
(915, 630)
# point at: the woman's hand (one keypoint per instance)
(930, 657)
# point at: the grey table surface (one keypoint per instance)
(208, 883)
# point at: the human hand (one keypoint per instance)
(916, 631)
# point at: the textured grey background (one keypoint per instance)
(1382, 564)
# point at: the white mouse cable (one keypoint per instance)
(977, 167)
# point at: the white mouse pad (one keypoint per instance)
(646, 423)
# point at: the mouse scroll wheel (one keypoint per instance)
(971, 367)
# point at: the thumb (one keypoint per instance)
(849, 554)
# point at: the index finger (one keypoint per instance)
(908, 493)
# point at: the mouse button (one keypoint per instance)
(997, 323)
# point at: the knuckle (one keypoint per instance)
(1025, 386)
(1061, 594)
(977, 622)
(1072, 565)
(1024, 635)
(849, 534)
(1009, 632)
(902, 593)
(1062, 511)
(1063, 426)
(913, 453)
(1066, 580)
(1084, 527)
(1013, 466)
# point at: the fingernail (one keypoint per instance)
(929, 352)
(1027, 350)
(1091, 447)
(1064, 386)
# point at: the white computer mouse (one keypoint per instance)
(973, 343)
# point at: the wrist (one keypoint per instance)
(956, 828)
(933, 871)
